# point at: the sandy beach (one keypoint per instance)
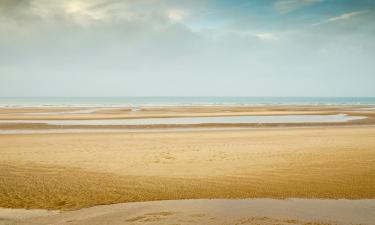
(71, 171)
(159, 112)
(219, 211)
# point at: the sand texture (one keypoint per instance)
(206, 212)
(79, 174)
(71, 171)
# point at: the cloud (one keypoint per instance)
(82, 12)
(267, 36)
(176, 15)
(345, 16)
(149, 47)
(286, 6)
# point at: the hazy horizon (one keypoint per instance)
(134, 101)
(191, 96)
(253, 48)
(187, 96)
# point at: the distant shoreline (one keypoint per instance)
(171, 118)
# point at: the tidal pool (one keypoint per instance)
(336, 118)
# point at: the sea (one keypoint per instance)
(177, 101)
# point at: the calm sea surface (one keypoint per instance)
(160, 101)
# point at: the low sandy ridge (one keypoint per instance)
(205, 212)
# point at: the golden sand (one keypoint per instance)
(70, 171)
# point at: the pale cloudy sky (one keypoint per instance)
(187, 48)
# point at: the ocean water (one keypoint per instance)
(182, 101)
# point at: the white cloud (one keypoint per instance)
(344, 16)
(83, 12)
(176, 15)
(286, 6)
(80, 11)
(267, 36)
(129, 42)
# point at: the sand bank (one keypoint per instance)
(37, 119)
(70, 171)
(255, 211)
(104, 165)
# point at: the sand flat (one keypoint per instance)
(71, 171)
(53, 113)
(49, 118)
(247, 211)
(250, 171)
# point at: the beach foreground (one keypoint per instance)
(250, 212)
(71, 171)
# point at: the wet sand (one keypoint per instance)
(255, 211)
(110, 118)
(61, 113)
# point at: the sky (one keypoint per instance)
(107, 48)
